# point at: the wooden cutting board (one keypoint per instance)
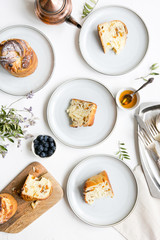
(25, 214)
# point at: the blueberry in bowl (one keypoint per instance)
(43, 146)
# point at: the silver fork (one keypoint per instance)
(153, 130)
(150, 145)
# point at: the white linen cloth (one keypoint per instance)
(144, 222)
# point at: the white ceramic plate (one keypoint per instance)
(84, 89)
(106, 211)
(43, 48)
(134, 50)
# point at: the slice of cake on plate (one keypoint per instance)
(82, 113)
(113, 35)
(97, 186)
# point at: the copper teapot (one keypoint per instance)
(55, 11)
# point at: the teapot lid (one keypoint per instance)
(52, 6)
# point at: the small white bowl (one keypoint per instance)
(33, 149)
(119, 104)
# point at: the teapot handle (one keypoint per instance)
(70, 19)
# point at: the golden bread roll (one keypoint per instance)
(8, 207)
(17, 57)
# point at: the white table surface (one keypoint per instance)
(60, 222)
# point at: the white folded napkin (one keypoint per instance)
(144, 222)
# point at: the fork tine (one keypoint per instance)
(143, 137)
(147, 137)
(148, 123)
(154, 128)
(151, 128)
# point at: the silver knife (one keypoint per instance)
(141, 123)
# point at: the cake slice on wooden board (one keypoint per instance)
(82, 113)
(113, 35)
(36, 188)
(97, 186)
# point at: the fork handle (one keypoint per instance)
(158, 160)
(158, 163)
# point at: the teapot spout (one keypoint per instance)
(71, 20)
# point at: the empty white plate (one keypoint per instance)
(46, 61)
(134, 50)
(105, 211)
(88, 90)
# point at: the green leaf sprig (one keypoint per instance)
(3, 150)
(88, 7)
(151, 73)
(122, 153)
(13, 125)
(9, 124)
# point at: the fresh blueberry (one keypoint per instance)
(37, 152)
(46, 144)
(45, 149)
(50, 139)
(43, 154)
(50, 152)
(40, 148)
(42, 142)
(35, 147)
(40, 138)
(45, 138)
(51, 144)
(36, 142)
(54, 148)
